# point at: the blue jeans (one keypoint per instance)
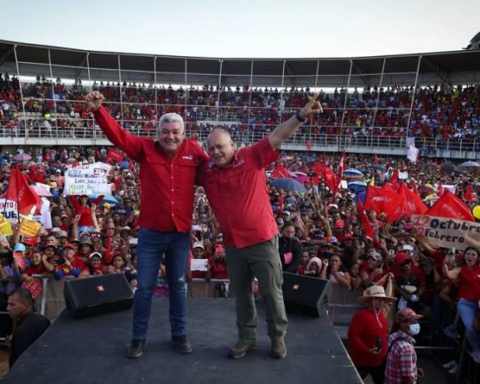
(467, 310)
(151, 247)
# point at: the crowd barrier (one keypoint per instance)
(342, 307)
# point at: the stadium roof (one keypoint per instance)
(457, 67)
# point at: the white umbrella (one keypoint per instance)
(472, 164)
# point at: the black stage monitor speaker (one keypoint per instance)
(305, 294)
(98, 295)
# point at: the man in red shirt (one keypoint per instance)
(167, 173)
(235, 184)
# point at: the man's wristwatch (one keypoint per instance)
(299, 118)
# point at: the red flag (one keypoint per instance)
(394, 179)
(469, 195)
(375, 159)
(413, 202)
(280, 202)
(329, 177)
(451, 207)
(414, 188)
(308, 145)
(280, 172)
(380, 200)
(114, 155)
(407, 204)
(365, 221)
(20, 191)
(440, 189)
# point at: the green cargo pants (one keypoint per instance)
(263, 262)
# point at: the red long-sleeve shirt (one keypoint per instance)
(167, 183)
(362, 336)
(84, 211)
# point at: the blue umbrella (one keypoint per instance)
(289, 185)
(352, 173)
(378, 167)
(308, 159)
(106, 199)
(357, 186)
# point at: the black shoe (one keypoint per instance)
(135, 349)
(181, 344)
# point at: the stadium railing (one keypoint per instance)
(426, 145)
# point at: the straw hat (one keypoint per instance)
(374, 292)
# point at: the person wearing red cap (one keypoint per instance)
(409, 281)
(402, 358)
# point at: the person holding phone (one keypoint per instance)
(217, 270)
(234, 182)
(368, 334)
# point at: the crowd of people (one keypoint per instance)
(320, 236)
(438, 112)
(322, 233)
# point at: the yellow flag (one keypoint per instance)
(372, 182)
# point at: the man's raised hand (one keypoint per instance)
(313, 106)
(94, 100)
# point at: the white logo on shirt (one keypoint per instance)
(189, 157)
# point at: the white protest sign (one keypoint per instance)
(446, 233)
(403, 175)
(10, 211)
(89, 179)
(199, 265)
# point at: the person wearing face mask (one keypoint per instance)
(368, 334)
(290, 249)
(402, 359)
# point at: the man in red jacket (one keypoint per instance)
(167, 173)
(368, 334)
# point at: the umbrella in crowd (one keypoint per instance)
(289, 185)
(42, 192)
(352, 173)
(308, 159)
(470, 164)
(378, 167)
(452, 168)
(22, 157)
(106, 199)
(357, 186)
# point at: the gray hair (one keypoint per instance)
(171, 118)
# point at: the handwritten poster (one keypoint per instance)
(89, 179)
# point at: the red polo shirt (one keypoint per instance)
(239, 198)
(167, 183)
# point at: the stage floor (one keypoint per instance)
(92, 351)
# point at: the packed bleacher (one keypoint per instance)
(52, 108)
(339, 235)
